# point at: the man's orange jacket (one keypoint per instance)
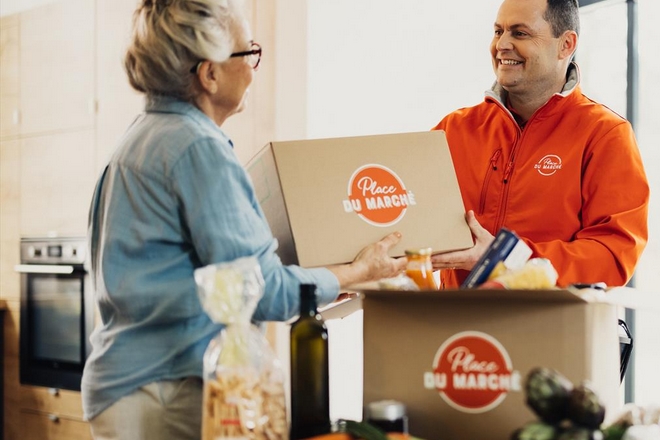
(571, 183)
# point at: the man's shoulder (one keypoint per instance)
(598, 109)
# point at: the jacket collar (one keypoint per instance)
(498, 93)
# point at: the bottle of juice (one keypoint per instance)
(420, 269)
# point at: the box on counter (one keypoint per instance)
(458, 359)
(326, 199)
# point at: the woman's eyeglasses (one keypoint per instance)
(253, 57)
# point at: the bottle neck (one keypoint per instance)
(308, 305)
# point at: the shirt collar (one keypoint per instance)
(169, 104)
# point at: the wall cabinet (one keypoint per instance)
(57, 178)
(57, 77)
(9, 76)
(118, 102)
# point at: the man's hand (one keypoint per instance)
(468, 258)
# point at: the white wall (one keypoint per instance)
(391, 66)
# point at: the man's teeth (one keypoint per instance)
(510, 62)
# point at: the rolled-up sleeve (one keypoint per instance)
(225, 223)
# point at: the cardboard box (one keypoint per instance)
(326, 199)
(458, 359)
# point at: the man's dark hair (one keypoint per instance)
(563, 15)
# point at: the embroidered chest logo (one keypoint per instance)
(548, 165)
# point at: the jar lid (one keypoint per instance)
(420, 251)
(386, 410)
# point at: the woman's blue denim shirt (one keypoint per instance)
(173, 198)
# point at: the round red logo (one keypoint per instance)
(472, 372)
(377, 195)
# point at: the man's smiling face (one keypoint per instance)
(526, 55)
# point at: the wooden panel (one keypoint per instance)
(57, 182)
(12, 428)
(118, 102)
(9, 218)
(11, 328)
(57, 67)
(40, 426)
(63, 402)
(9, 76)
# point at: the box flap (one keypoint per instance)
(626, 297)
(346, 307)
(618, 296)
(266, 182)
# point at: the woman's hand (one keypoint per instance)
(467, 258)
(372, 263)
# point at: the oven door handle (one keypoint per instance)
(44, 268)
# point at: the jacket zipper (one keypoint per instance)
(506, 179)
(489, 172)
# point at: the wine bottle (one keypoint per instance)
(310, 395)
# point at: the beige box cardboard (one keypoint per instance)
(574, 332)
(325, 199)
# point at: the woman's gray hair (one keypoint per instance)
(171, 36)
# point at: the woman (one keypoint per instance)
(173, 198)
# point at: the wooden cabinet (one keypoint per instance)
(39, 426)
(57, 177)
(9, 218)
(64, 403)
(118, 102)
(52, 414)
(56, 59)
(9, 76)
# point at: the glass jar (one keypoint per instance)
(420, 268)
(388, 415)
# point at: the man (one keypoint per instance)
(540, 158)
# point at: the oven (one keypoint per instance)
(57, 312)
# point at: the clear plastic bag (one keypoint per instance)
(243, 379)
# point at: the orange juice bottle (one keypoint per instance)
(420, 269)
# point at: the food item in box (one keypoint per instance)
(580, 433)
(400, 282)
(507, 248)
(228, 416)
(585, 408)
(536, 273)
(420, 268)
(547, 393)
(566, 412)
(635, 423)
(243, 380)
(535, 431)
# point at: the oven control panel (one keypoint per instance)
(60, 250)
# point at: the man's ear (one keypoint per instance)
(207, 75)
(567, 44)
